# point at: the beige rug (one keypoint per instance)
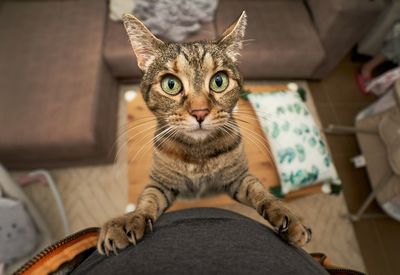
(92, 195)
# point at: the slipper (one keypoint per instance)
(362, 82)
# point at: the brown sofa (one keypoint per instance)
(58, 100)
(289, 39)
(61, 61)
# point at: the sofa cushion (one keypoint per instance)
(340, 25)
(378, 159)
(282, 41)
(57, 98)
(119, 54)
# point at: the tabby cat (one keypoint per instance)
(192, 89)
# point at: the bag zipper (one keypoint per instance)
(53, 247)
(321, 259)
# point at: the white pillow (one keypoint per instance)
(300, 152)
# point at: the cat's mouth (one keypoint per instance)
(191, 126)
(206, 125)
(201, 130)
(199, 133)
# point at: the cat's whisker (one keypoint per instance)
(123, 130)
(165, 139)
(229, 133)
(141, 132)
(250, 110)
(157, 139)
(265, 115)
(141, 119)
(132, 125)
(255, 133)
(126, 131)
(258, 117)
(253, 142)
(144, 137)
(147, 143)
(253, 116)
(262, 140)
(249, 113)
(261, 147)
(272, 121)
(132, 138)
(241, 120)
(249, 40)
(124, 144)
(129, 122)
(257, 138)
(255, 113)
(129, 129)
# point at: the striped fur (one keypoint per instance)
(194, 159)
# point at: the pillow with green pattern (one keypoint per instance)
(300, 152)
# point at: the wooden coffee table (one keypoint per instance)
(261, 163)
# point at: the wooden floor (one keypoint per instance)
(338, 100)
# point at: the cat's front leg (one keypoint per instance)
(250, 191)
(128, 229)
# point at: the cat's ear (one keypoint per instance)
(144, 43)
(232, 37)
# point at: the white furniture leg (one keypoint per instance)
(360, 213)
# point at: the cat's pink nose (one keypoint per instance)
(200, 114)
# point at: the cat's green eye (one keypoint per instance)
(171, 85)
(219, 82)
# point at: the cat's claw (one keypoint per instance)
(309, 234)
(114, 248)
(284, 226)
(150, 224)
(287, 225)
(131, 237)
(120, 232)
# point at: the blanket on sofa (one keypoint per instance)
(173, 20)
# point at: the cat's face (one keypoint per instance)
(191, 87)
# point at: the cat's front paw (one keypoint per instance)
(288, 225)
(119, 232)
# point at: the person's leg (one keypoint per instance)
(205, 241)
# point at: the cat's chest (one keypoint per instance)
(202, 180)
(209, 169)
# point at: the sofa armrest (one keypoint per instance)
(341, 24)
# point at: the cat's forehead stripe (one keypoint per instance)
(174, 66)
(208, 62)
(200, 50)
(181, 62)
(185, 52)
